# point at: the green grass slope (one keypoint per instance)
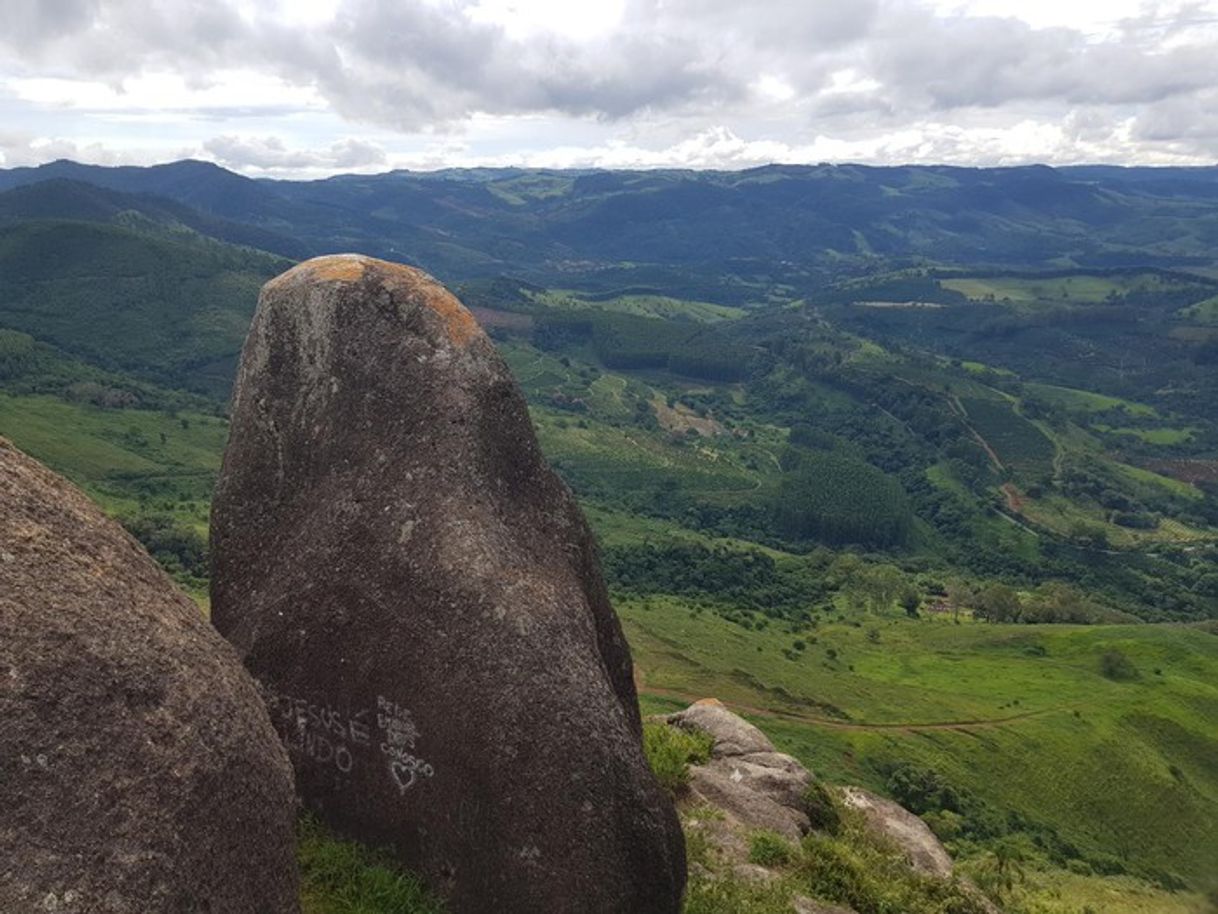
(126, 459)
(1119, 772)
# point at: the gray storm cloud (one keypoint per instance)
(415, 65)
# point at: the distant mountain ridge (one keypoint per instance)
(732, 237)
(65, 198)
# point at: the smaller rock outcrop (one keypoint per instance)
(756, 786)
(139, 772)
(746, 786)
(898, 826)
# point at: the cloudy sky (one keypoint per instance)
(304, 88)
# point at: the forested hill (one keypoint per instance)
(732, 237)
(1026, 425)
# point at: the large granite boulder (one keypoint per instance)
(139, 772)
(421, 599)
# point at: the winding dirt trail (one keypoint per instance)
(1013, 496)
(818, 721)
(957, 407)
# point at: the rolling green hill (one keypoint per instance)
(738, 238)
(1099, 777)
(912, 522)
(158, 305)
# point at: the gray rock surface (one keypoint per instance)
(421, 599)
(139, 773)
(733, 734)
(755, 786)
(901, 828)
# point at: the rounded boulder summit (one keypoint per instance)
(139, 773)
(421, 600)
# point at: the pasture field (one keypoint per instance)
(1138, 476)
(980, 368)
(642, 305)
(1089, 401)
(519, 191)
(1081, 288)
(1162, 437)
(1019, 716)
(1069, 519)
(598, 456)
(125, 459)
(1203, 312)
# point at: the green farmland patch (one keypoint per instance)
(1089, 401)
(1018, 442)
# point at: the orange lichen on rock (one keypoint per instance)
(459, 324)
(335, 269)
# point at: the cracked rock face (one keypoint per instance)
(421, 600)
(139, 773)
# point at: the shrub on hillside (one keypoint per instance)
(767, 848)
(922, 790)
(821, 808)
(181, 550)
(1116, 666)
(743, 579)
(17, 354)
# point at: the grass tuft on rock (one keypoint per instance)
(671, 750)
(767, 848)
(822, 808)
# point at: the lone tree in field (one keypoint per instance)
(998, 603)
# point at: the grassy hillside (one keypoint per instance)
(807, 504)
(166, 307)
(126, 459)
(1022, 716)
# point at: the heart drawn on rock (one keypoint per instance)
(403, 774)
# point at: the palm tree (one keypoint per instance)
(1004, 865)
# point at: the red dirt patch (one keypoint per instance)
(1013, 496)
